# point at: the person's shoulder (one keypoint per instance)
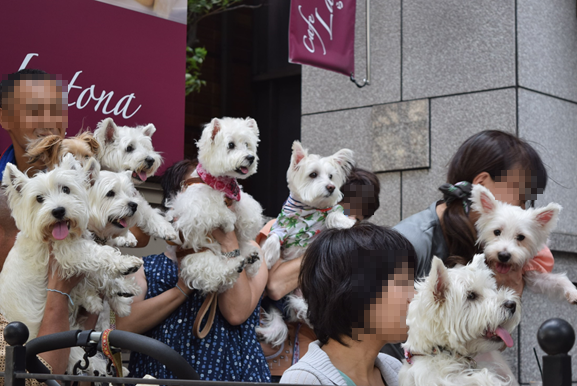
(300, 377)
(422, 221)
(310, 368)
(389, 367)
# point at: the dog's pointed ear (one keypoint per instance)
(548, 216)
(438, 280)
(106, 131)
(344, 159)
(44, 150)
(148, 130)
(250, 122)
(216, 126)
(298, 154)
(129, 174)
(69, 162)
(14, 179)
(92, 170)
(483, 200)
(478, 260)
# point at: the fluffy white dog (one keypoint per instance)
(124, 148)
(512, 236)
(456, 315)
(213, 199)
(51, 212)
(314, 183)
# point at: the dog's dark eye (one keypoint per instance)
(40, 199)
(230, 145)
(66, 189)
(129, 149)
(330, 176)
(471, 296)
(497, 232)
(520, 237)
(110, 193)
(313, 175)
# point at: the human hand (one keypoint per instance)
(512, 279)
(228, 241)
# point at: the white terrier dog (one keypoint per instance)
(51, 211)
(130, 149)
(213, 199)
(512, 236)
(314, 183)
(456, 315)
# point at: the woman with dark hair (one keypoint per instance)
(510, 168)
(167, 309)
(358, 283)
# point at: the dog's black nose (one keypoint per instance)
(59, 213)
(250, 159)
(511, 305)
(133, 206)
(330, 188)
(149, 161)
(504, 256)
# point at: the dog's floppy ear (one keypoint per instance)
(106, 131)
(250, 122)
(548, 216)
(438, 280)
(44, 150)
(344, 159)
(298, 154)
(14, 179)
(148, 130)
(89, 139)
(483, 200)
(216, 126)
(92, 170)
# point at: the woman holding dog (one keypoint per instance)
(167, 309)
(358, 283)
(506, 165)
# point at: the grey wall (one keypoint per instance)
(442, 71)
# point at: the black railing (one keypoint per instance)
(556, 337)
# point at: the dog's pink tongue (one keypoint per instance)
(142, 176)
(122, 222)
(504, 334)
(60, 230)
(502, 268)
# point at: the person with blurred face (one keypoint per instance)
(358, 283)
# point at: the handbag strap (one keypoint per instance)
(211, 302)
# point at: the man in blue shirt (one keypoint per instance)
(33, 104)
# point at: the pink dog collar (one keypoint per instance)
(227, 185)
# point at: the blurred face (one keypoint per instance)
(386, 317)
(34, 109)
(512, 186)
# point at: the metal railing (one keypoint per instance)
(556, 337)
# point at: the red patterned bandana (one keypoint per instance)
(227, 185)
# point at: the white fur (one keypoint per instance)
(23, 279)
(115, 141)
(200, 209)
(312, 190)
(513, 221)
(442, 317)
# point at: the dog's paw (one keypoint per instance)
(571, 296)
(253, 263)
(128, 241)
(129, 265)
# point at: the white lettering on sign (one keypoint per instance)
(89, 94)
(309, 37)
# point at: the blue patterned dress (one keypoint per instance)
(227, 353)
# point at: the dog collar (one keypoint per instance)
(409, 356)
(228, 185)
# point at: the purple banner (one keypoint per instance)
(322, 34)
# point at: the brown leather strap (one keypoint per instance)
(212, 302)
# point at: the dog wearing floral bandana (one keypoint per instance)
(314, 183)
(214, 199)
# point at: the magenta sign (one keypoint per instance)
(120, 63)
(322, 34)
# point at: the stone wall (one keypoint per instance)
(442, 71)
